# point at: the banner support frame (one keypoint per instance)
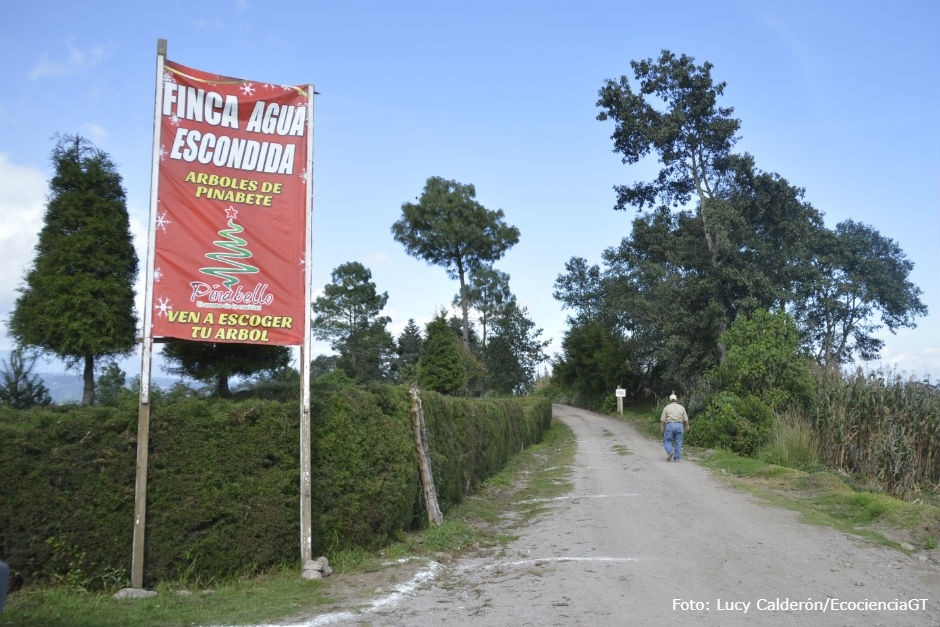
(306, 480)
(146, 359)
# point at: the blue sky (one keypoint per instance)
(841, 98)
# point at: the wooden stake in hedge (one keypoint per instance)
(435, 517)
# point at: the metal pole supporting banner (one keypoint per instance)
(146, 358)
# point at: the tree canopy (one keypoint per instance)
(408, 350)
(78, 298)
(514, 350)
(716, 238)
(439, 367)
(448, 227)
(348, 316)
(216, 362)
(861, 285)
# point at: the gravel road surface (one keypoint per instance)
(639, 541)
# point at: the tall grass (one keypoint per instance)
(793, 442)
(879, 426)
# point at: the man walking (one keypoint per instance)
(671, 424)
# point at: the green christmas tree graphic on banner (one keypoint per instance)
(231, 261)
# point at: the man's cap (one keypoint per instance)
(672, 397)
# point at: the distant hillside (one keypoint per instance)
(67, 388)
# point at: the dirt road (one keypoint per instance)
(639, 541)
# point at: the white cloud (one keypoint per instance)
(22, 203)
(917, 363)
(77, 60)
(95, 132)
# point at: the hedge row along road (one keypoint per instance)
(639, 541)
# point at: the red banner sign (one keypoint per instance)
(230, 225)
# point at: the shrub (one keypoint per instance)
(729, 421)
(223, 495)
(761, 372)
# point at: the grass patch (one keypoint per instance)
(619, 448)
(825, 498)
(241, 602)
(515, 495)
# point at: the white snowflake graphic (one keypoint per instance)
(161, 222)
(174, 120)
(163, 306)
(162, 152)
(157, 275)
(168, 77)
(248, 89)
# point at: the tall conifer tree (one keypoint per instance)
(78, 299)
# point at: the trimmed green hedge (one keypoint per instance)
(223, 491)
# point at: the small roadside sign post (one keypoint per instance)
(621, 393)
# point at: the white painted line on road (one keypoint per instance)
(394, 597)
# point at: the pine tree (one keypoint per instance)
(19, 387)
(110, 384)
(439, 367)
(348, 316)
(216, 362)
(78, 298)
(409, 349)
(448, 227)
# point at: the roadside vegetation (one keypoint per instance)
(484, 519)
(788, 471)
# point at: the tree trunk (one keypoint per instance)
(464, 305)
(88, 379)
(704, 196)
(221, 386)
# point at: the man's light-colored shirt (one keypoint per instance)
(674, 412)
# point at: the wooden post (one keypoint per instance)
(306, 477)
(140, 496)
(435, 517)
(146, 352)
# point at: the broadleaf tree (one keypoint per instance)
(77, 301)
(110, 384)
(862, 284)
(717, 238)
(674, 114)
(448, 227)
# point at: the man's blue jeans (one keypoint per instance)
(4, 582)
(672, 439)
